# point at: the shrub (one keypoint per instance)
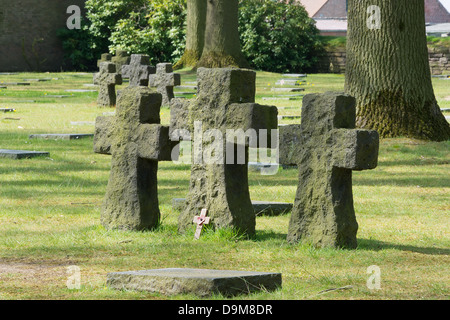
(157, 29)
(278, 36)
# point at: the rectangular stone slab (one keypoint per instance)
(201, 282)
(261, 208)
(60, 136)
(21, 154)
(295, 75)
(288, 89)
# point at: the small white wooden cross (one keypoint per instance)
(201, 221)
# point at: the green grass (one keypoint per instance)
(50, 210)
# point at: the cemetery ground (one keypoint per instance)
(50, 209)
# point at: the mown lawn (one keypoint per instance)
(50, 209)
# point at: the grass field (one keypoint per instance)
(50, 210)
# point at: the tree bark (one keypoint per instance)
(195, 33)
(222, 45)
(388, 70)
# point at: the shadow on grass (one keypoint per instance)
(376, 245)
(264, 235)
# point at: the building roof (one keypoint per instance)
(436, 11)
(313, 6)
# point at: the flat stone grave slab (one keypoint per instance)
(57, 96)
(90, 85)
(185, 93)
(3, 87)
(60, 136)
(200, 282)
(187, 87)
(261, 208)
(295, 75)
(447, 117)
(288, 117)
(16, 83)
(443, 76)
(288, 89)
(445, 110)
(7, 110)
(37, 80)
(8, 73)
(283, 98)
(21, 154)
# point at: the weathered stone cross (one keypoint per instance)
(107, 79)
(201, 221)
(138, 71)
(328, 148)
(164, 80)
(225, 101)
(137, 142)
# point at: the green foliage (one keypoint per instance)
(158, 30)
(278, 36)
(80, 49)
(104, 16)
(275, 36)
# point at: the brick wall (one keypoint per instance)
(335, 59)
(28, 40)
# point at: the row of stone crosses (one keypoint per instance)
(326, 147)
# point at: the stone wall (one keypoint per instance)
(335, 59)
(439, 60)
(28, 34)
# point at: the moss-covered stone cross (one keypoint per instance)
(138, 71)
(107, 79)
(136, 141)
(164, 80)
(225, 101)
(327, 148)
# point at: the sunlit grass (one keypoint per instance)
(50, 210)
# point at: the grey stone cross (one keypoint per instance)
(107, 79)
(164, 80)
(136, 141)
(225, 102)
(327, 149)
(138, 71)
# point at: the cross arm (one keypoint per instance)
(153, 142)
(355, 149)
(290, 144)
(247, 116)
(103, 135)
(179, 120)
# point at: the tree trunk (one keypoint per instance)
(195, 33)
(388, 70)
(222, 45)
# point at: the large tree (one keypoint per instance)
(222, 47)
(388, 70)
(195, 33)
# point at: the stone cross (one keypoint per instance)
(105, 57)
(328, 149)
(107, 79)
(164, 80)
(120, 59)
(138, 71)
(225, 101)
(136, 141)
(201, 221)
